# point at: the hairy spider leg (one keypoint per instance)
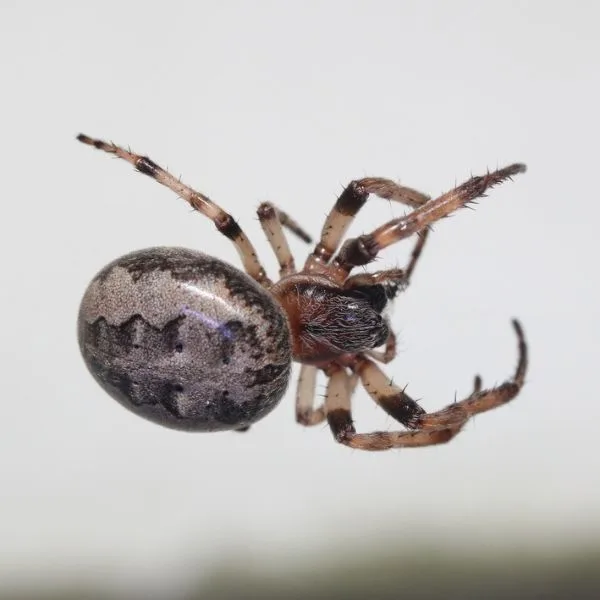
(306, 413)
(339, 417)
(483, 400)
(364, 249)
(272, 221)
(351, 200)
(389, 352)
(398, 276)
(223, 221)
(428, 428)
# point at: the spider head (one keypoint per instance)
(349, 321)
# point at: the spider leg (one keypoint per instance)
(339, 417)
(396, 276)
(306, 413)
(389, 352)
(271, 220)
(293, 226)
(401, 277)
(415, 255)
(351, 200)
(224, 222)
(428, 428)
(483, 400)
(363, 249)
(393, 399)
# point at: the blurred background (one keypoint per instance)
(288, 102)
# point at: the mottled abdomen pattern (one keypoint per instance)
(185, 340)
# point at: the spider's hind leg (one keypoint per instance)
(223, 221)
(306, 413)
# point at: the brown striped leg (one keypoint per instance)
(415, 255)
(271, 224)
(306, 413)
(293, 226)
(363, 249)
(395, 276)
(224, 222)
(347, 206)
(483, 400)
(429, 428)
(271, 220)
(339, 417)
(389, 352)
(390, 397)
(401, 277)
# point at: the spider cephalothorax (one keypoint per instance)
(189, 342)
(327, 321)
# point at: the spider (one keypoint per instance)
(189, 342)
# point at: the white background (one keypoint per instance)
(288, 102)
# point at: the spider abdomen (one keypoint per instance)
(185, 340)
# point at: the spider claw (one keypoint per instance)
(518, 328)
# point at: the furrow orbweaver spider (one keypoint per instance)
(187, 341)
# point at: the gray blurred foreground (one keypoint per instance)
(424, 574)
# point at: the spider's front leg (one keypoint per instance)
(364, 249)
(347, 206)
(398, 277)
